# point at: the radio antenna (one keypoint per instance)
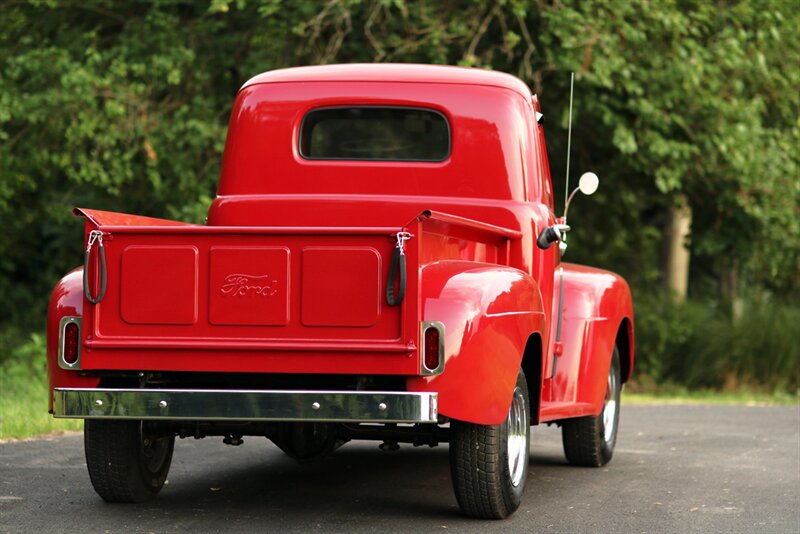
(569, 137)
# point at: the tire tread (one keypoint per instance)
(475, 468)
(582, 437)
(112, 458)
(479, 468)
(583, 442)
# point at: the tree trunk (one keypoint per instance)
(676, 241)
(729, 296)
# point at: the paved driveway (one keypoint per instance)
(676, 469)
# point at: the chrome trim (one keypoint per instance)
(517, 443)
(246, 405)
(610, 407)
(424, 325)
(62, 324)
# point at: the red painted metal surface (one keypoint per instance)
(595, 304)
(489, 313)
(289, 275)
(157, 284)
(66, 300)
(254, 299)
(485, 161)
(396, 73)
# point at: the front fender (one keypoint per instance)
(489, 312)
(597, 311)
(66, 300)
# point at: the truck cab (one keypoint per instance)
(374, 266)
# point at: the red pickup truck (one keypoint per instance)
(376, 265)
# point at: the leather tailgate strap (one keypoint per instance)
(398, 261)
(398, 264)
(95, 236)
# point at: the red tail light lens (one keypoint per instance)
(71, 343)
(431, 357)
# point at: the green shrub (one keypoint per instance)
(664, 330)
(759, 349)
(695, 345)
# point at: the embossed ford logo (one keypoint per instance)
(245, 285)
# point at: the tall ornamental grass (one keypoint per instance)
(696, 345)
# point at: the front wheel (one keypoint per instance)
(489, 463)
(126, 463)
(589, 441)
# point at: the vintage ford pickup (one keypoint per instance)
(377, 265)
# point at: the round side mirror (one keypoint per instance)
(588, 183)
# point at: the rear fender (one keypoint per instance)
(489, 312)
(66, 301)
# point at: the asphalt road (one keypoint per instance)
(676, 469)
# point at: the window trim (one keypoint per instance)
(378, 160)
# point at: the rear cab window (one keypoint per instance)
(374, 133)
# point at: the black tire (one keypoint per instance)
(588, 441)
(485, 484)
(125, 463)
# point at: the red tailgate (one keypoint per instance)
(199, 298)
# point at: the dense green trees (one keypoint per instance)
(682, 108)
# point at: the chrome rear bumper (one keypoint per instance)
(246, 405)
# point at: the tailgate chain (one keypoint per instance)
(95, 236)
(398, 263)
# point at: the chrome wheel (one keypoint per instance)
(610, 406)
(517, 437)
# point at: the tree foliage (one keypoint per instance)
(123, 105)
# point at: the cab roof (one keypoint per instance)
(393, 72)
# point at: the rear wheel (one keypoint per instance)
(126, 463)
(589, 441)
(489, 463)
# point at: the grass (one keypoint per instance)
(746, 398)
(23, 396)
(644, 390)
(23, 408)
